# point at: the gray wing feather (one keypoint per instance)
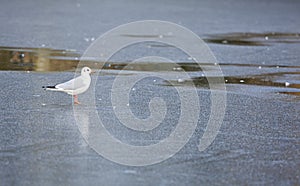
(73, 84)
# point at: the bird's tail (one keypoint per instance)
(45, 87)
(52, 88)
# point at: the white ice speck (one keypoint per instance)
(160, 36)
(154, 80)
(277, 66)
(99, 99)
(259, 67)
(226, 80)
(266, 38)
(287, 84)
(177, 68)
(92, 39)
(36, 95)
(86, 39)
(43, 104)
(43, 45)
(28, 71)
(76, 58)
(242, 81)
(190, 58)
(180, 80)
(133, 89)
(130, 171)
(224, 41)
(127, 104)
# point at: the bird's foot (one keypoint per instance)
(76, 103)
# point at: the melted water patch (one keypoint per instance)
(37, 59)
(253, 39)
(290, 81)
(46, 59)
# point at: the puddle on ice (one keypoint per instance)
(253, 39)
(45, 59)
(37, 59)
(284, 82)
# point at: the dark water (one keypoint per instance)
(254, 39)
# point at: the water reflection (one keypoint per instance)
(37, 59)
(46, 59)
(253, 39)
(287, 80)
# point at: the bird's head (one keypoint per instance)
(86, 70)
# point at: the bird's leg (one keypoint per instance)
(76, 100)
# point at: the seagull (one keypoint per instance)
(74, 86)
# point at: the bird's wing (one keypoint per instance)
(73, 84)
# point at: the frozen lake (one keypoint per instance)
(256, 44)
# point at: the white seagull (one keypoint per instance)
(75, 86)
